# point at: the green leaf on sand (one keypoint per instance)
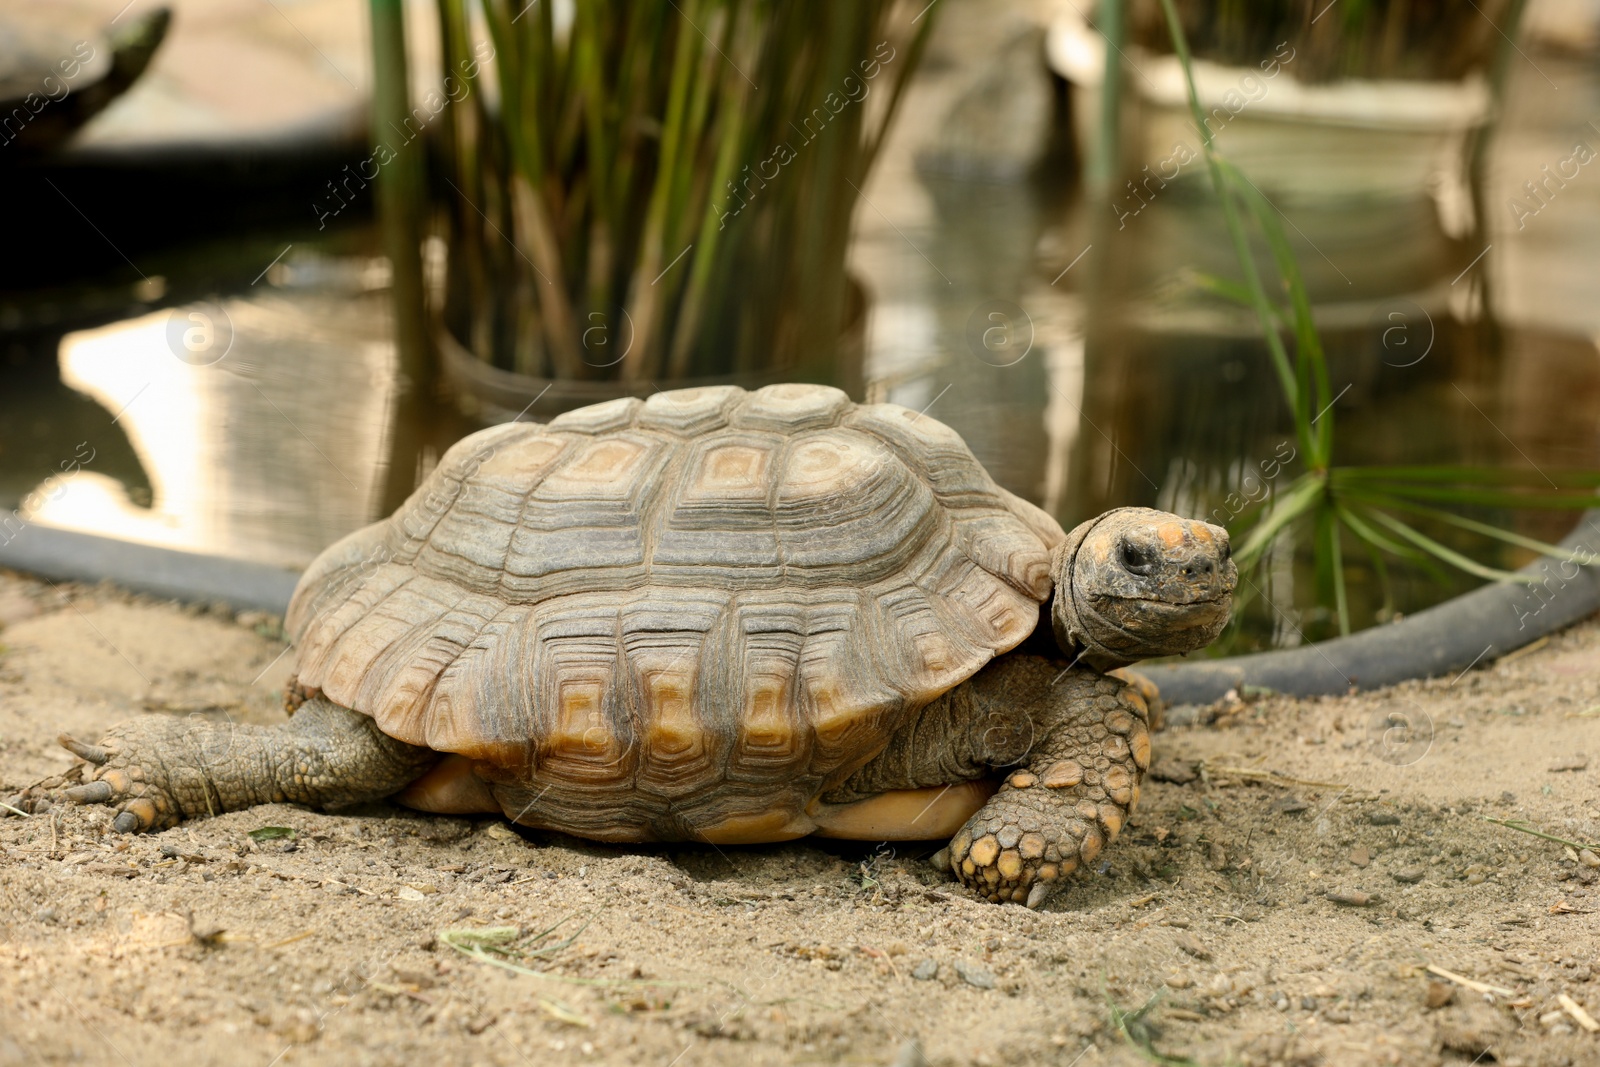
(271, 833)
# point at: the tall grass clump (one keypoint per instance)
(669, 181)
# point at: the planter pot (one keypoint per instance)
(493, 395)
(1345, 140)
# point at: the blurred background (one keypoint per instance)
(269, 258)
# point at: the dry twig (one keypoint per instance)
(1470, 983)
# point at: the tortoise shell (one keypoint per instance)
(710, 600)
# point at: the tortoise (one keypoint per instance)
(720, 616)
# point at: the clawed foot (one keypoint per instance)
(116, 778)
(1055, 815)
(118, 772)
(1021, 852)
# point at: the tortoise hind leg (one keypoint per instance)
(156, 771)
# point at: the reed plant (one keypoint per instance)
(651, 191)
(1378, 510)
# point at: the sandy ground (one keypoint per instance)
(1217, 907)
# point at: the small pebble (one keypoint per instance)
(1570, 763)
(909, 1055)
(974, 975)
(1178, 772)
(1352, 899)
(1588, 858)
(1361, 855)
(1410, 876)
(1383, 818)
(1439, 994)
(926, 971)
(1289, 804)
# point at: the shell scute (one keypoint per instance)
(1003, 546)
(599, 418)
(770, 740)
(585, 514)
(584, 732)
(689, 411)
(718, 527)
(664, 640)
(791, 408)
(932, 449)
(848, 509)
(415, 520)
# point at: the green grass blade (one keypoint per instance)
(1241, 245)
(1297, 500)
(1364, 530)
(1379, 567)
(646, 305)
(1310, 364)
(1231, 291)
(1448, 554)
(732, 149)
(913, 59)
(1330, 563)
(1413, 556)
(1487, 498)
(1340, 598)
(1544, 548)
(1476, 475)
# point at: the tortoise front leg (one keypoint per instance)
(1075, 743)
(156, 771)
(1071, 793)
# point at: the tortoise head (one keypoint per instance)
(1136, 583)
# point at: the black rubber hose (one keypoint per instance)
(67, 555)
(1448, 638)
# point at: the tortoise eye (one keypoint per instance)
(1137, 559)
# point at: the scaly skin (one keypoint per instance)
(1073, 793)
(156, 771)
(1148, 692)
(1077, 743)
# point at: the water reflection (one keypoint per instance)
(269, 453)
